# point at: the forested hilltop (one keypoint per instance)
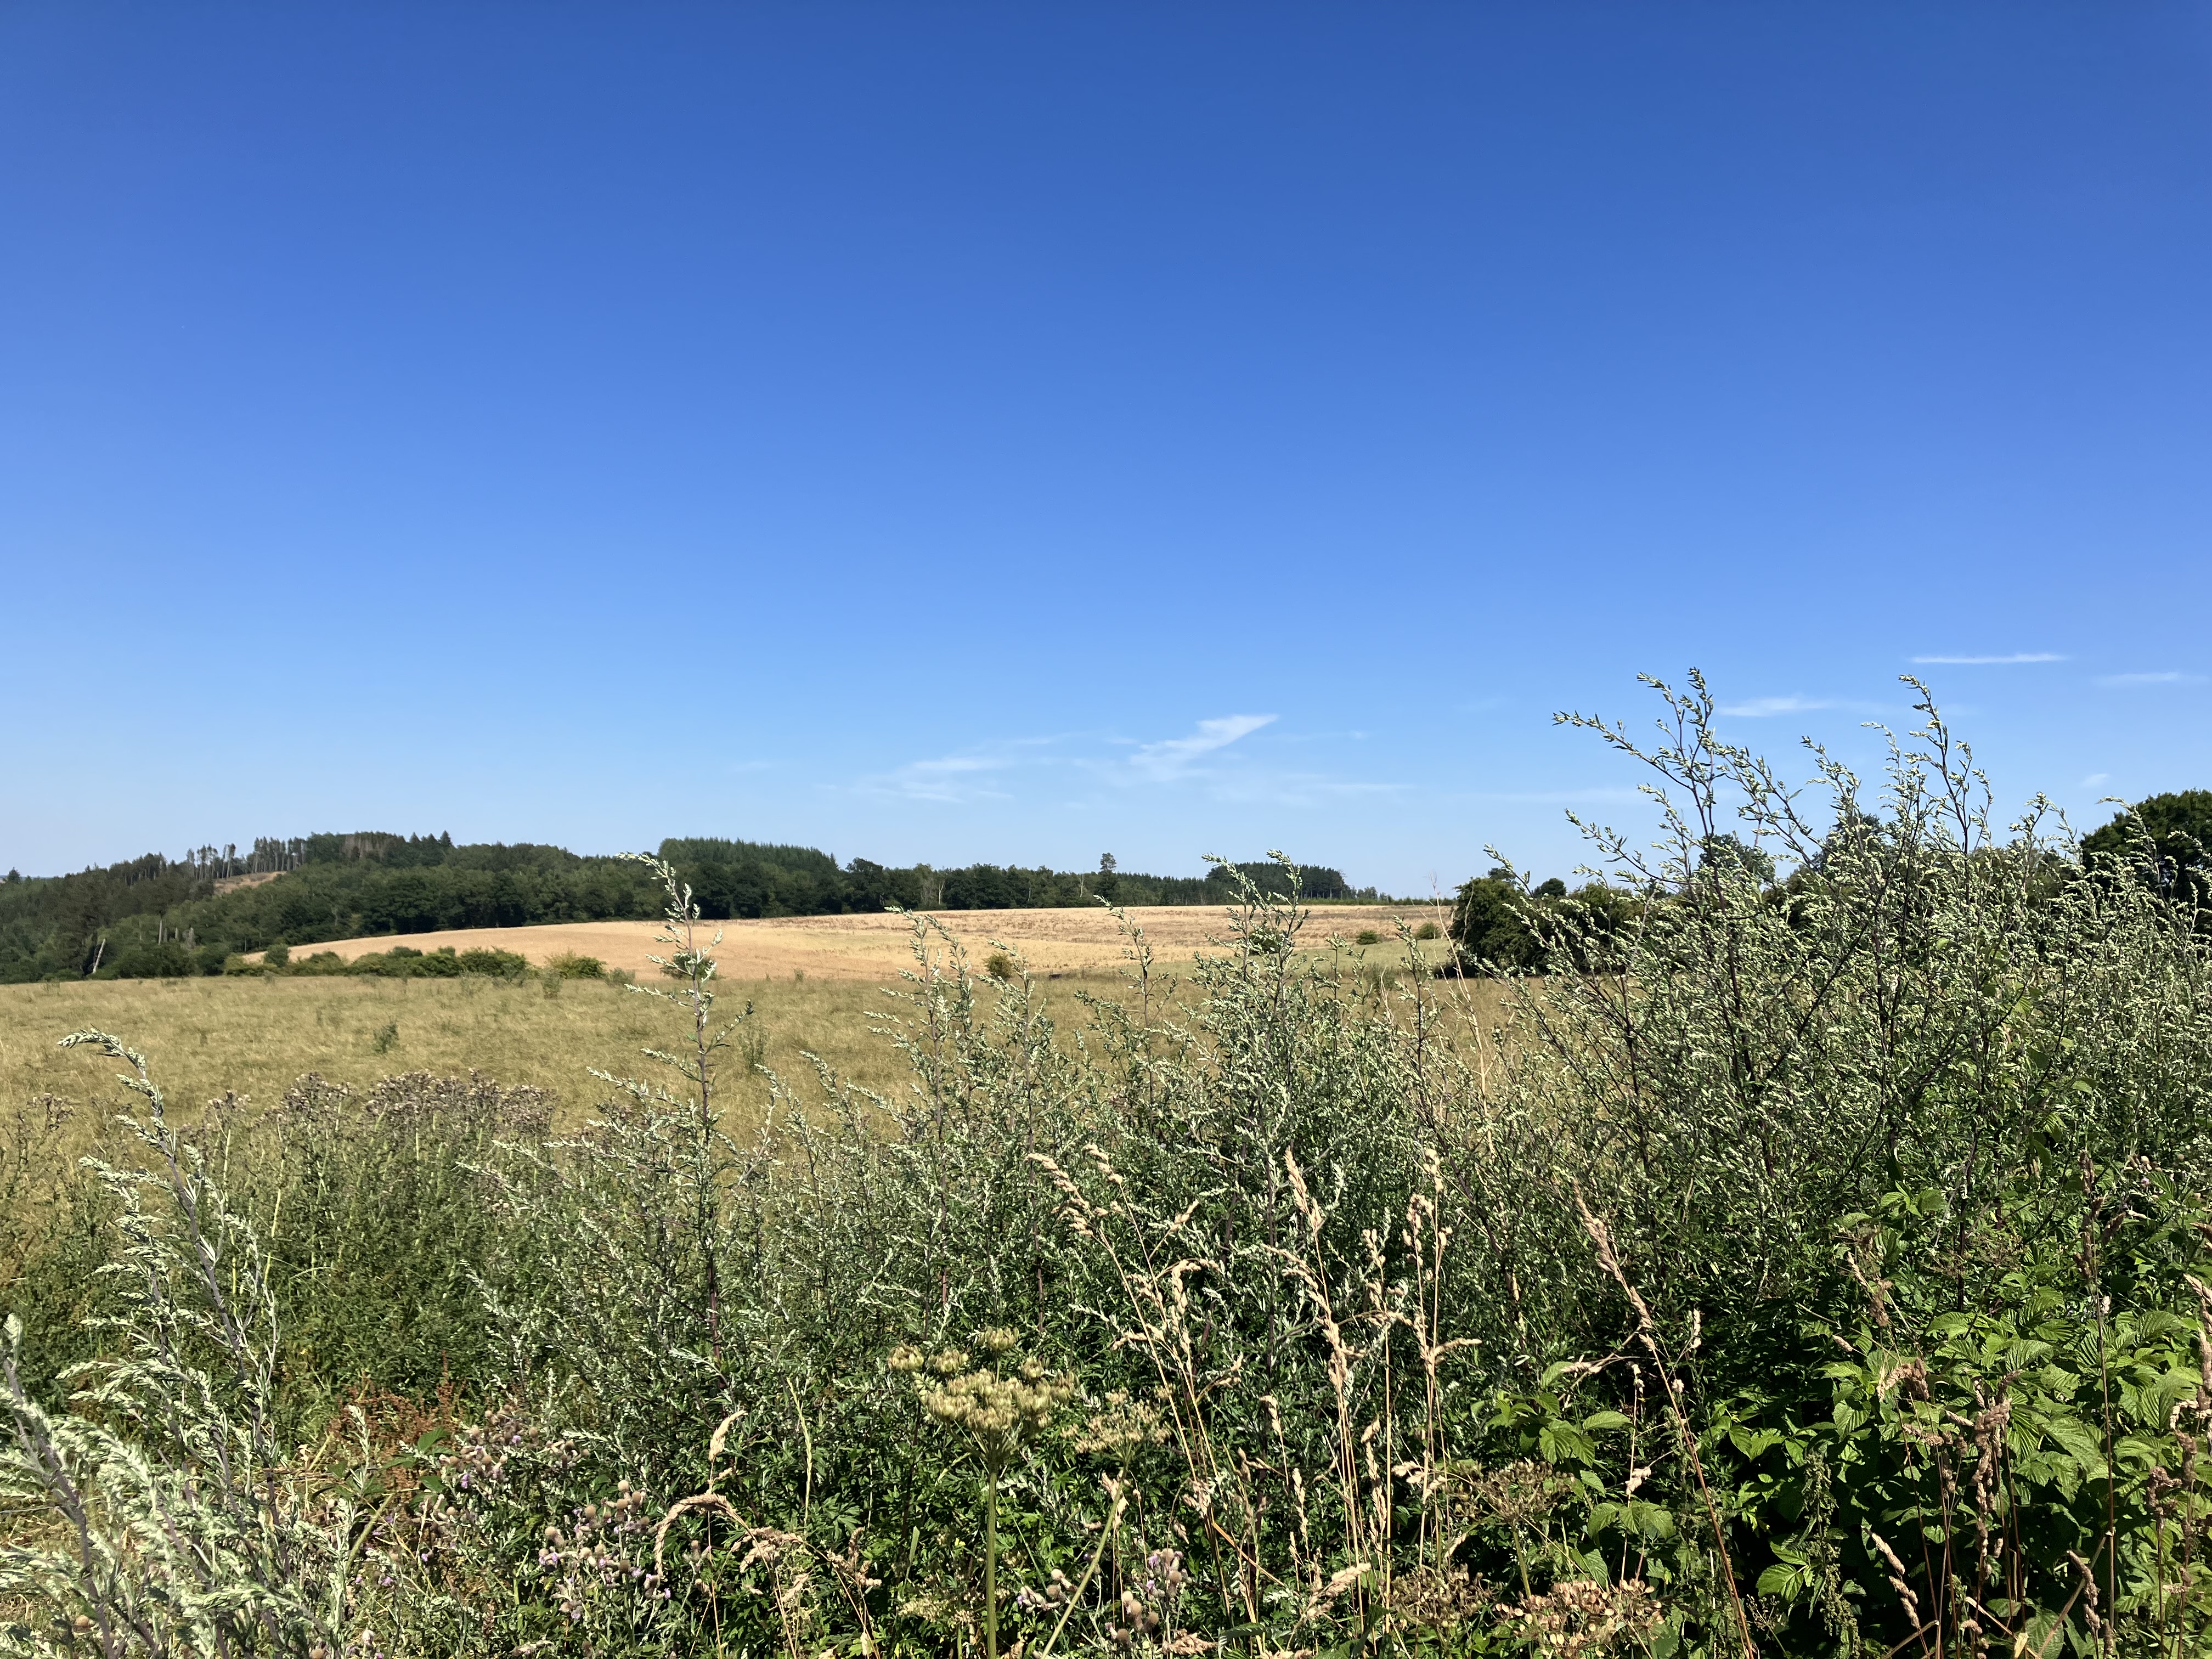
(161, 917)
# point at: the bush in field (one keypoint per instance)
(2166, 840)
(498, 964)
(568, 964)
(1810, 1263)
(404, 961)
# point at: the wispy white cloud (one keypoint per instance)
(948, 778)
(1174, 757)
(1759, 708)
(2008, 657)
(2167, 676)
(1763, 708)
(2094, 779)
(988, 771)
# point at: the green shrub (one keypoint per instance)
(398, 962)
(503, 964)
(171, 960)
(568, 964)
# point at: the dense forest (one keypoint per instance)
(157, 917)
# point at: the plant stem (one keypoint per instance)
(991, 1562)
(1105, 1537)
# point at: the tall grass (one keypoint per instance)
(1807, 1268)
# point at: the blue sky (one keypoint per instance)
(1016, 433)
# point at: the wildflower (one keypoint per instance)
(1121, 1426)
(1520, 1492)
(1002, 1412)
(1582, 1616)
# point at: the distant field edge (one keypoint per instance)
(876, 946)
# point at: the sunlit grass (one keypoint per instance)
(254, 1037)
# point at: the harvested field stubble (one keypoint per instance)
(874, 947)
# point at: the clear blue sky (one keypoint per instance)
(1015, 433)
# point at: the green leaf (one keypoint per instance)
(1755, 1442)
(1781, 1579)
(2081, 1443)
(1560, 1441)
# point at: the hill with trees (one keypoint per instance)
(157, 917)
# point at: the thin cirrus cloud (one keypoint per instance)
(1760, 707)
(2165, 677)
(983, 773)
(1176, 757)
(951, 779)
(1983, 662)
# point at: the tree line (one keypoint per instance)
(157, 917)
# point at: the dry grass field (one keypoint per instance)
(255, 1036)
(874, 948)
(817, 985)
